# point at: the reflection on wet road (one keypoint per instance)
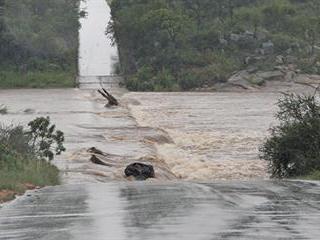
(221, 210)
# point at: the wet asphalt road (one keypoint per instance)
(142, 211)
(118, 211)
(150, 210)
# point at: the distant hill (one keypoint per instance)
(189, 44)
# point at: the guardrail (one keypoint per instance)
(90, 82)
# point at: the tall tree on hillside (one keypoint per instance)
(199, 10)
(251, 17)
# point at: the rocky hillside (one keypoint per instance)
(193, 44)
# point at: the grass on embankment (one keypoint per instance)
(25, 174)
(25, 156)
(314, 176)
(36, 79)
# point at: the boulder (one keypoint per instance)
(290, 76)
(267, 48)
(271, 75)
(235, 37)
(291, 59)
(140, 171)
(239, 76)
(261, 35)
(223, 41)
(280, 59)
(240, 79)
(251, 79)
(307, 79)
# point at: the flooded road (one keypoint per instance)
(86, 122)
(190, 136)
(106, 206)
(216, 135)
(210, 183)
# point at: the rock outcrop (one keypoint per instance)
(140, 171)
(251, 79)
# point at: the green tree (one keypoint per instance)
(198, 9)
(197, 43)
(45, 140)
(251, 17)
(293, 149)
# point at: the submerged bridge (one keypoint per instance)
(95, 82)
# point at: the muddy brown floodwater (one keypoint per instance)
(210, 183)
(215, 135)
(208, 140)
(188, 136)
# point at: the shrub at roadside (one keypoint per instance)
(25, 155)
(293, 149)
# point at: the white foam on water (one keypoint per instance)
(216, 137)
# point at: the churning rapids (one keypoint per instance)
(200, 137)
(210, 183)
(189, 136)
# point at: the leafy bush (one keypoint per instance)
(189, 79)
(45, 140)
(164, 81)
(41, 140)
(141, 80)
(24, 155)
(14, 141)
(283, 42)
(293, 148)
(309, 66)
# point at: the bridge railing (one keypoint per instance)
(88, 82)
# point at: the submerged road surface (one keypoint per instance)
(160, 209)
(194, 137)
(143, 211)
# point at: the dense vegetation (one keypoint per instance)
(293, 149)
(25, 156)
(185, 44)
(38, 43)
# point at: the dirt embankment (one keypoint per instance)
(8, 195)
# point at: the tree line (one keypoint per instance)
(185, 44)
(38, 36)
